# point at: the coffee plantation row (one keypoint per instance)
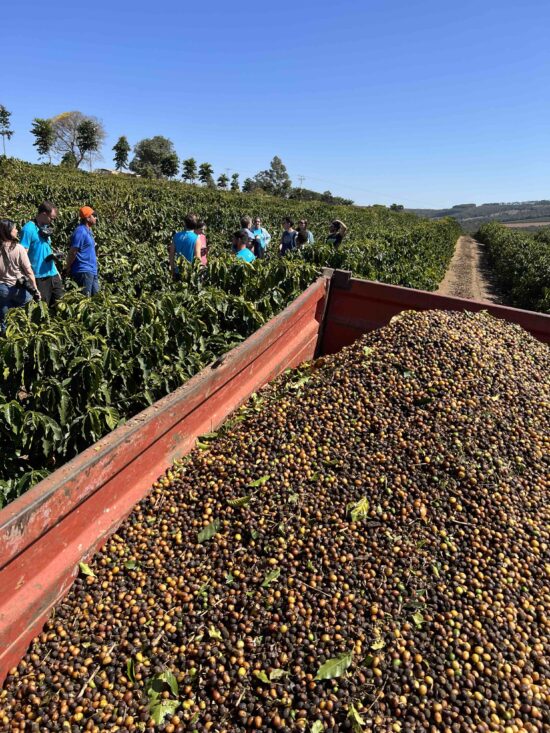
(521, 264)
(72, 374)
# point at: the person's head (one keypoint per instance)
(246, 222)
(240, 239)
(301, 237)
(302, 224)
(8, 231)
(47, 213)
(257, 223)
(335, 226)
(190, 221)
(200, 227)
(287, 223)
(87, 216)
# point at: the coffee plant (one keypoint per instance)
(521, 264)
(70, 375)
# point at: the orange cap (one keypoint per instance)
(85, 212)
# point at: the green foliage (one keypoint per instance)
(71, 374)
(121, 150)
(5, 131)
(155, 157)
(76, 136)
(274, 181)
(206, 175)
(306, 194)
(520, 263)
(223, 181)
(189, 173)
(44, 136)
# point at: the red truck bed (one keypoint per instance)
(69, 515)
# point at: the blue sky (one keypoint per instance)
(427, 104)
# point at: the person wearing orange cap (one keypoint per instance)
(82, 259)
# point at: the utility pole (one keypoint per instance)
(301, 179)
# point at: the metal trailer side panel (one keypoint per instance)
(358, 306)
(69, 515)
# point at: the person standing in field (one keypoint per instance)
(184, 244)
(82, 257)
(288, 238)
(35, 238)
(302, 227)
(337, 232)
(240, 246)
(17, 281)
(301, 239)
(199, 230)
(246, 224)
(261, 238)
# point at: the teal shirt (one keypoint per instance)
(39, 247)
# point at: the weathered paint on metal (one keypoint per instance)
(67, 517)
(359, 306)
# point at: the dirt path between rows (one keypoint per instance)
(468, 275)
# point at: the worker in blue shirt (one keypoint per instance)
(240, 246)
(36, 238)
(82, 258)
(261, 238)
(185, 244)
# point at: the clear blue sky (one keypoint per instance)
(420, 103)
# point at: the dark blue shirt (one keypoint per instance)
(84, 243)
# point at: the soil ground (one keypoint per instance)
(468, 275)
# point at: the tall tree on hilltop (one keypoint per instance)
(121, 150)
(206, 175)
(44, 135)
(155, 157)
(77, 136)
(223, 181)
(88, 139)
(275, 180)
(235, 182)
(5, 131)
(189, 173)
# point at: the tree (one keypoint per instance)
(306, 194)
(5, 126)
(396, 207)
(155, 157)
(189, 170)
(235, 182)
(223, 181)
(121, 149)
(75, 137)
(44, 135)
(275, 180)
(248, 185)
(206, 175)
(69, 160)
(88, 139)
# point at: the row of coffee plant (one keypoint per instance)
(71, 374)
(520, 262)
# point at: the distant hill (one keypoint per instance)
(471, 217)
